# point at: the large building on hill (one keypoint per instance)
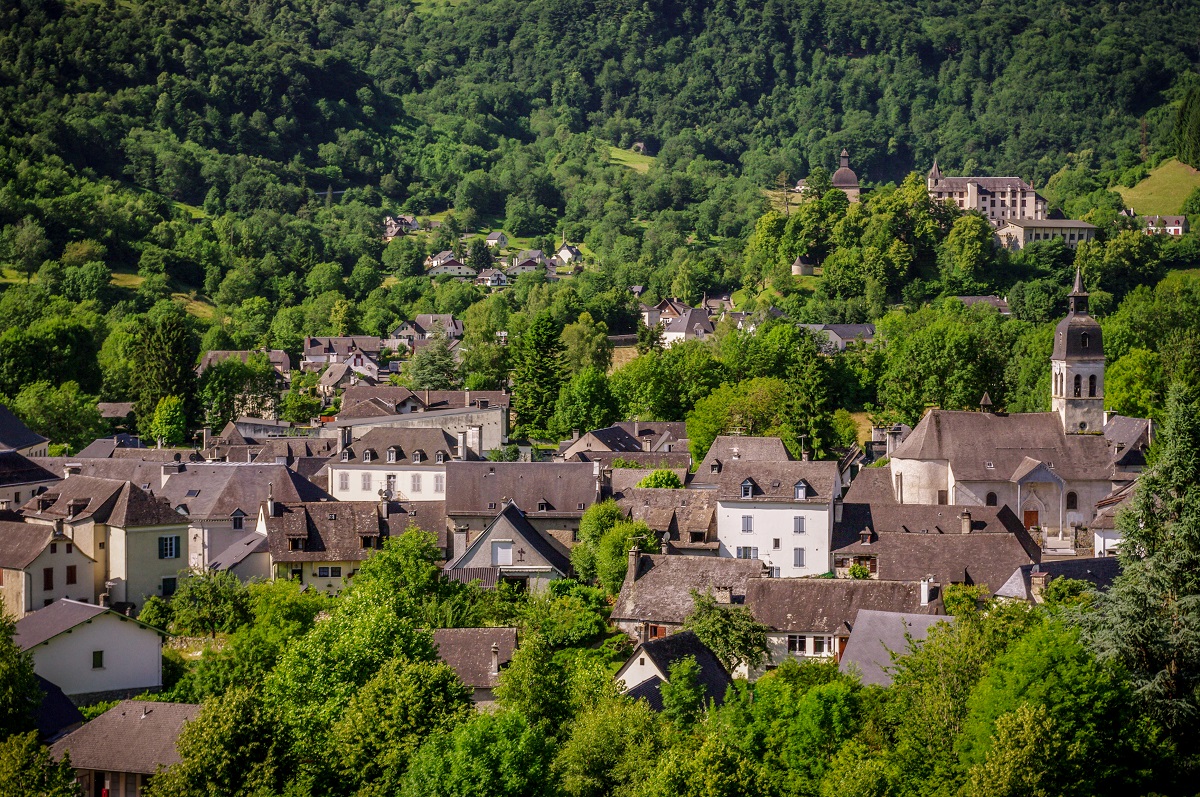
(998, 198)
(1051, 468)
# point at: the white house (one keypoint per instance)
(39, 565)
(405, 464)
(781, 513)
(497, 240)
(91, 652)
(453, 268)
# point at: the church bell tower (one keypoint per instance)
(1077, 367)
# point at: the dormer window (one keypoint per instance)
(715, 467)
(368, 455)
(747, 489)
(801, 491)
(864, 537)
(296, 544)
(989, 465)
(391, 455)
(417, 456)
(439, 457)
(346, 455)
(543, 506)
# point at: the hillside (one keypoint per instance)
(1163, 192)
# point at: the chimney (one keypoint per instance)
(462, 444)
(270, 499)
(384, 507)
(631, 572)
(965, 517)
(574, 434)
(495, 658)
(805, 455)
(466, 398)
(925, 591)
(206, 436)
(665, 545)
(723, 595)
(72, 469)
(735, 453)
(346, 438)
(1037, 583)
(460, 541)
(475, 439)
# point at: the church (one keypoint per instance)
(1051, 468)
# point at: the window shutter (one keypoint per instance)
(162, 547)
(175, 547)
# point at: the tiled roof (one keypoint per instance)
(59, 617)
(218, 490)
(56, 713)
(828, 605)
(512, 520)
(670, 649)
(21, 543)
(469, 652)
(117, 503)
(406, 441)
(132, 736)
(14, 433)
(776, 481)
(237, 553)
(728, 448)
(279, 359)
(662, 588)
(16, 469)
(1099, 572)
(483, 488)
(333, 530)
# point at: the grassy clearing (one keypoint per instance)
(123, 279)
(622, 355)
(864, 426)
(195, 306)
(1163, 192)
(627, 157)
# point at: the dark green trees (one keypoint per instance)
(537, 375)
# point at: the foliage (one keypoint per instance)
(26, 768)
(611, 750)
(163, 355)
(569, 614)
(597, 520)
(537, 375)
(584, 404)
(157, 612)
(533, 685)
(207, 601)
(433, 366)
(20, 694)
(682, 693)
(64, 414)
(169, 424)
(612, 552)
(233, 388)
(859, 571)
(730, 632)
(663, 478)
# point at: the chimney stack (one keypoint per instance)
(805, 455)
(723, 595)
(495, 658)
(965, 517)
(1037, 583)
(631, 572)
(270, 499)
(925, 591)
(462, 444)
(460, 541)
(666, 543)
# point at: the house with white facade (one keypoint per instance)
(1018, 233)
(643, 674)
(452, 268)
(397, 464)
(39, 565)
(1001, 199)
(91, 652)
(781, 513)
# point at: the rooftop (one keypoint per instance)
(132, 736)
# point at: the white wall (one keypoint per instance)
(775, 521)
(636, 670)
(378, 473)
(917, 482)
(132, 657)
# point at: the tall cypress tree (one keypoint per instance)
(1149, 621)
(164, 357)
(538, 375)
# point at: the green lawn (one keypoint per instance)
(627, 157)
(1163, 192)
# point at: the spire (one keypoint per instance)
(1078, 298)
(935, 173)
(985, 403)
(845, 158)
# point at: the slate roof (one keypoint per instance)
(447, 323)
(16, 469)
(695, 322)
(871, 486)
(648, 690)
(776, 481)
(657, 431)
(115, 410)
(610, 438)
(333, 530)
(56, 713)
(482, 488)
(117, 503)
(647, 460)
(14, 433)
(215, 491)
(342, 346)
(995, 301)
(670, 649)
(828, 605)
(279, 359)
(728, 448)
(1108, 507)
(876, 636)
(969, 440)
(1099, 572)
(661, 590)
(1052, 223)
(48, 622)
(389, 397)
(912, 541)
(21, 543)
(406, 441)
(676, 513)
(513, 520)
(238, 552)
(991, 185)
(132, 736)
(469, 652)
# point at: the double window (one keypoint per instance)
(797, 644)
(798, 524)
(416, 482)
(747, 552)
(343, 481)
(329, 572)
(797, 557)
(168, 547)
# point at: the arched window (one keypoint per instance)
(1072, 501)
(991, 499)
(1092, 386)
(1078, 386)
(1083, 341)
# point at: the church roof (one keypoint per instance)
(1078, 336)
(844, 177)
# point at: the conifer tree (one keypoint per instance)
(538, 375)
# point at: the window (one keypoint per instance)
(335, 572)
(192, 493)
(48, 578)
(366, 482)
(776, 544)
(53, 547)
(797, 644)
(439, 457)
(322, 572)
(70, 548)
(389, 483)
(367, 542)
(747, 489)
(990, 500)
(343, 481)
(798, 524)
(747, 524)
(714, 468)
(1092, 386)
(368, 455)
(747, 552)
(943, 497)
(97, 659)
(774, 572)
(1072, 501)
(501, 553)
(1078, 386)
(543, 506)
(797, 557)
(801, 491)
(169, 583)
(297, 574)
(818, 645)
(168, 547)
(439, 482)
(391, 455)
(71, 574)
(416, 482)
(1084, 340)
(417, 456)
(239, 523)
(346, 455)
(296, 544)
(491, 504)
